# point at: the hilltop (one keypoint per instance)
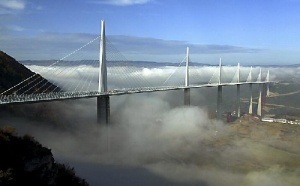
(12, 72)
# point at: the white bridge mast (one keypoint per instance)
(103, 106)
(187, 91)
(102, 60)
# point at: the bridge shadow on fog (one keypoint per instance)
(121, 175)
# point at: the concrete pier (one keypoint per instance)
(238, 100)
(259, 102)
(187, 91)
(219, 103)
(187, 96)
(250, 101)
(103, 110)
(103, 107)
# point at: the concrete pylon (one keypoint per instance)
(238, 95)
(238, 92)
(250, 105)
(219, 96)
(187, 70)
(102, 61)
(259, 102)
(268, 83)
(103, 110)
(187, 92)
(103, 106)
(219, 103)
(259, 75)
(251, 92)
(187, 96)
(220, 71)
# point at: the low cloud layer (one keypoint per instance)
(155, 140)
(85, 77)
(151, 142)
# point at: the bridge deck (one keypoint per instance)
(55, 96)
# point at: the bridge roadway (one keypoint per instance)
(56, 96)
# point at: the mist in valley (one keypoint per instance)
(153, 139)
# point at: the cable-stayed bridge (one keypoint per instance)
(114, 75)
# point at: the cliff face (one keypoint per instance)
(12, 73)
(23, 161)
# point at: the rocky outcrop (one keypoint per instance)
(23, 161)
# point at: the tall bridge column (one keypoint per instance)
(187, 91)
(259, 106)
(187, 96)
(251, 101)
(238, 93)
(103, 110)
(251, 93)
(268, 83)
(259, 102)
(219, 103)
(103, 107)
(219, 97)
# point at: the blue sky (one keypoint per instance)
(244, 31)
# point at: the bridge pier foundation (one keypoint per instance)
(103, 110)
(259, 104)
(219, 103)
(250, 104)
(187, 96)
(238, 92)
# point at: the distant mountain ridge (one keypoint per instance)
(147, 64)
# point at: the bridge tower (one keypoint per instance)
(219, 98)
(268, 83)
(103, 107)
(259, 105)
(238, 92)
(187, 91)
(251, 92)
